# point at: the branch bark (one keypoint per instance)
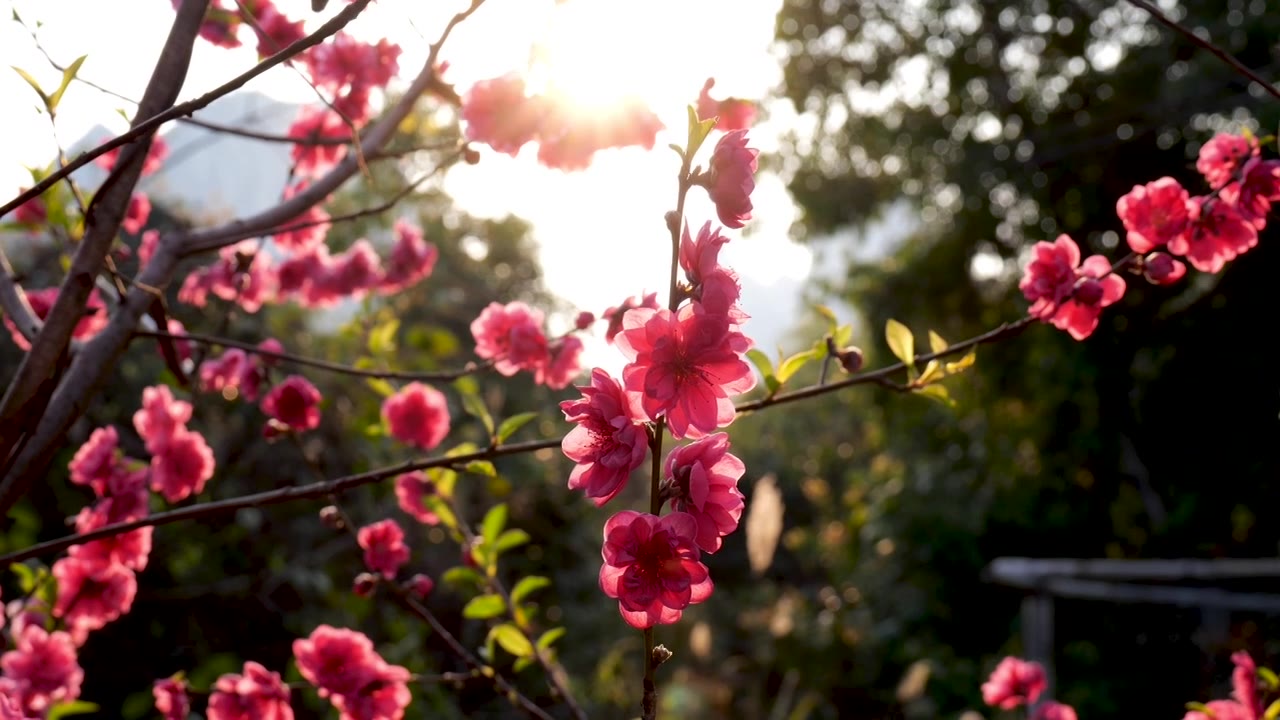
(102, 222)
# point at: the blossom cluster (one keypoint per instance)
(512, 337)
(1017, 682)
(685, 364)
(1162, 221)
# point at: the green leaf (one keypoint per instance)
(522, 664)
(512, 424)
(1272, 712)
(699, 129)
(67, 76)
(765, 366)
(465, 448)
(71, 707)
(494, 521)
(382, 339)
(936, 343)
(829, 314)
(462, 577)
(550, 637)
(26, 576)
(939, 393)
(442, 510)
(510, 540)
(843, 335)
(474, 405)
(32, 82)
(444, 479)
(787, 368)
(932, 372)
(1269, 678)
(528, 585)
(512, 640)
(380, 386)
(963, 363)
(484, 607)
(901, 343)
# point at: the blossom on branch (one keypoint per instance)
(257, 694)
(171, 698)
(651, 565)
(384, 548)
(1065, 292)
(498, 113)
(1154, 214)
(41, 301)
(412, 259)
(731, 179)
(701, 479)
(510, 335)
(609, 440)
(294, 403)
(1051, 710)
(1222, 156)
(418, 415)
(312, 159)
(344, 667)
(41, 670)
(733, 113)
(1217, 235)
(613, 316)
(91, 594)
(411, 489)
(1014, 682)
(156, 155)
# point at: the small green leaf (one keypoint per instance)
(32, 82)
(699, 129)
(380, 386)
(1269, 678)
(26, 576)
(67, 76)
(939, 393)
(382, 339)
(765, 366)
(936, 343)
(484, 607)
(444, 479)
(789, 367)
(528, 585)
(901, 343)
(512, 424)
(481, 467)
(522, 664)
(494, 521)
(442, 510)
(474, 405)
(512, 640)
(71, 707)
(510, 540)
(962, 364)
(465, 448)
(829, 314)
(462, 577)
(932, 372)
(1272, 712)
(550, 637)
(843, 335)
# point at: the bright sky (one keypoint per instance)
(601, 230)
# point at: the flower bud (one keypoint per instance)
(420, 585)
(331, 517)
(364, 584)
(850, 359)
(471, 156)
(1161, 269)
(584, 320)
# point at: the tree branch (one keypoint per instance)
(14, 302)
(1213, 49)
(440, 376)
(102, 223)
(157, 118)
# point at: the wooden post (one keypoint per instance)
(1037, 635)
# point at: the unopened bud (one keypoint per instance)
(584, 320)
(331, 517)
(420, 585)
(673, 220)
(1161, 269)
(471, 156)
(364, 584)
(660, 655)
(850, 359)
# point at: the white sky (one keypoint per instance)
(601, 230)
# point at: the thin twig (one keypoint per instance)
(336, 23)
(1213, 49)
(438, 376)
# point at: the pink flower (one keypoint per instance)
(311, 158)
(258, 694)
(95, 462)
(1218, 234)
(412, 259)
(275, 31)
(420, 585)
(171, 699)
(10, 707)
(563, 364)
(701, 479)
(41, 302)
(241, 275)
(182, 467)
(1222, 155)
(715, 287)
(614, 315)
(498, 113)
(345, 668)
(609, 441)
(584, 320)
(304, 232)
(156, 155)
(418, 415)
(31, 212)
(1154, 214)
(570, 136)
(234, 373)
(1221, 710)
(1252, 196)
(731, 179)
(1161, 269)
(295, 402)
(1068, 296)
(350, 69)
(130, 549)
(685, 366)
(161, 417)
(651, 565)
(733, 113)
(1014, 682)
(1051, 710)
(356, 270)
(1244, 681)
(91, 595)
(411, 489)
(147, 245)
(510, 335)
(384, 548)
(136, 216)
(43, 668)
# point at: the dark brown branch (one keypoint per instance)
(313, 491)
(145, 127)
(440, 376)
(1213, 49)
